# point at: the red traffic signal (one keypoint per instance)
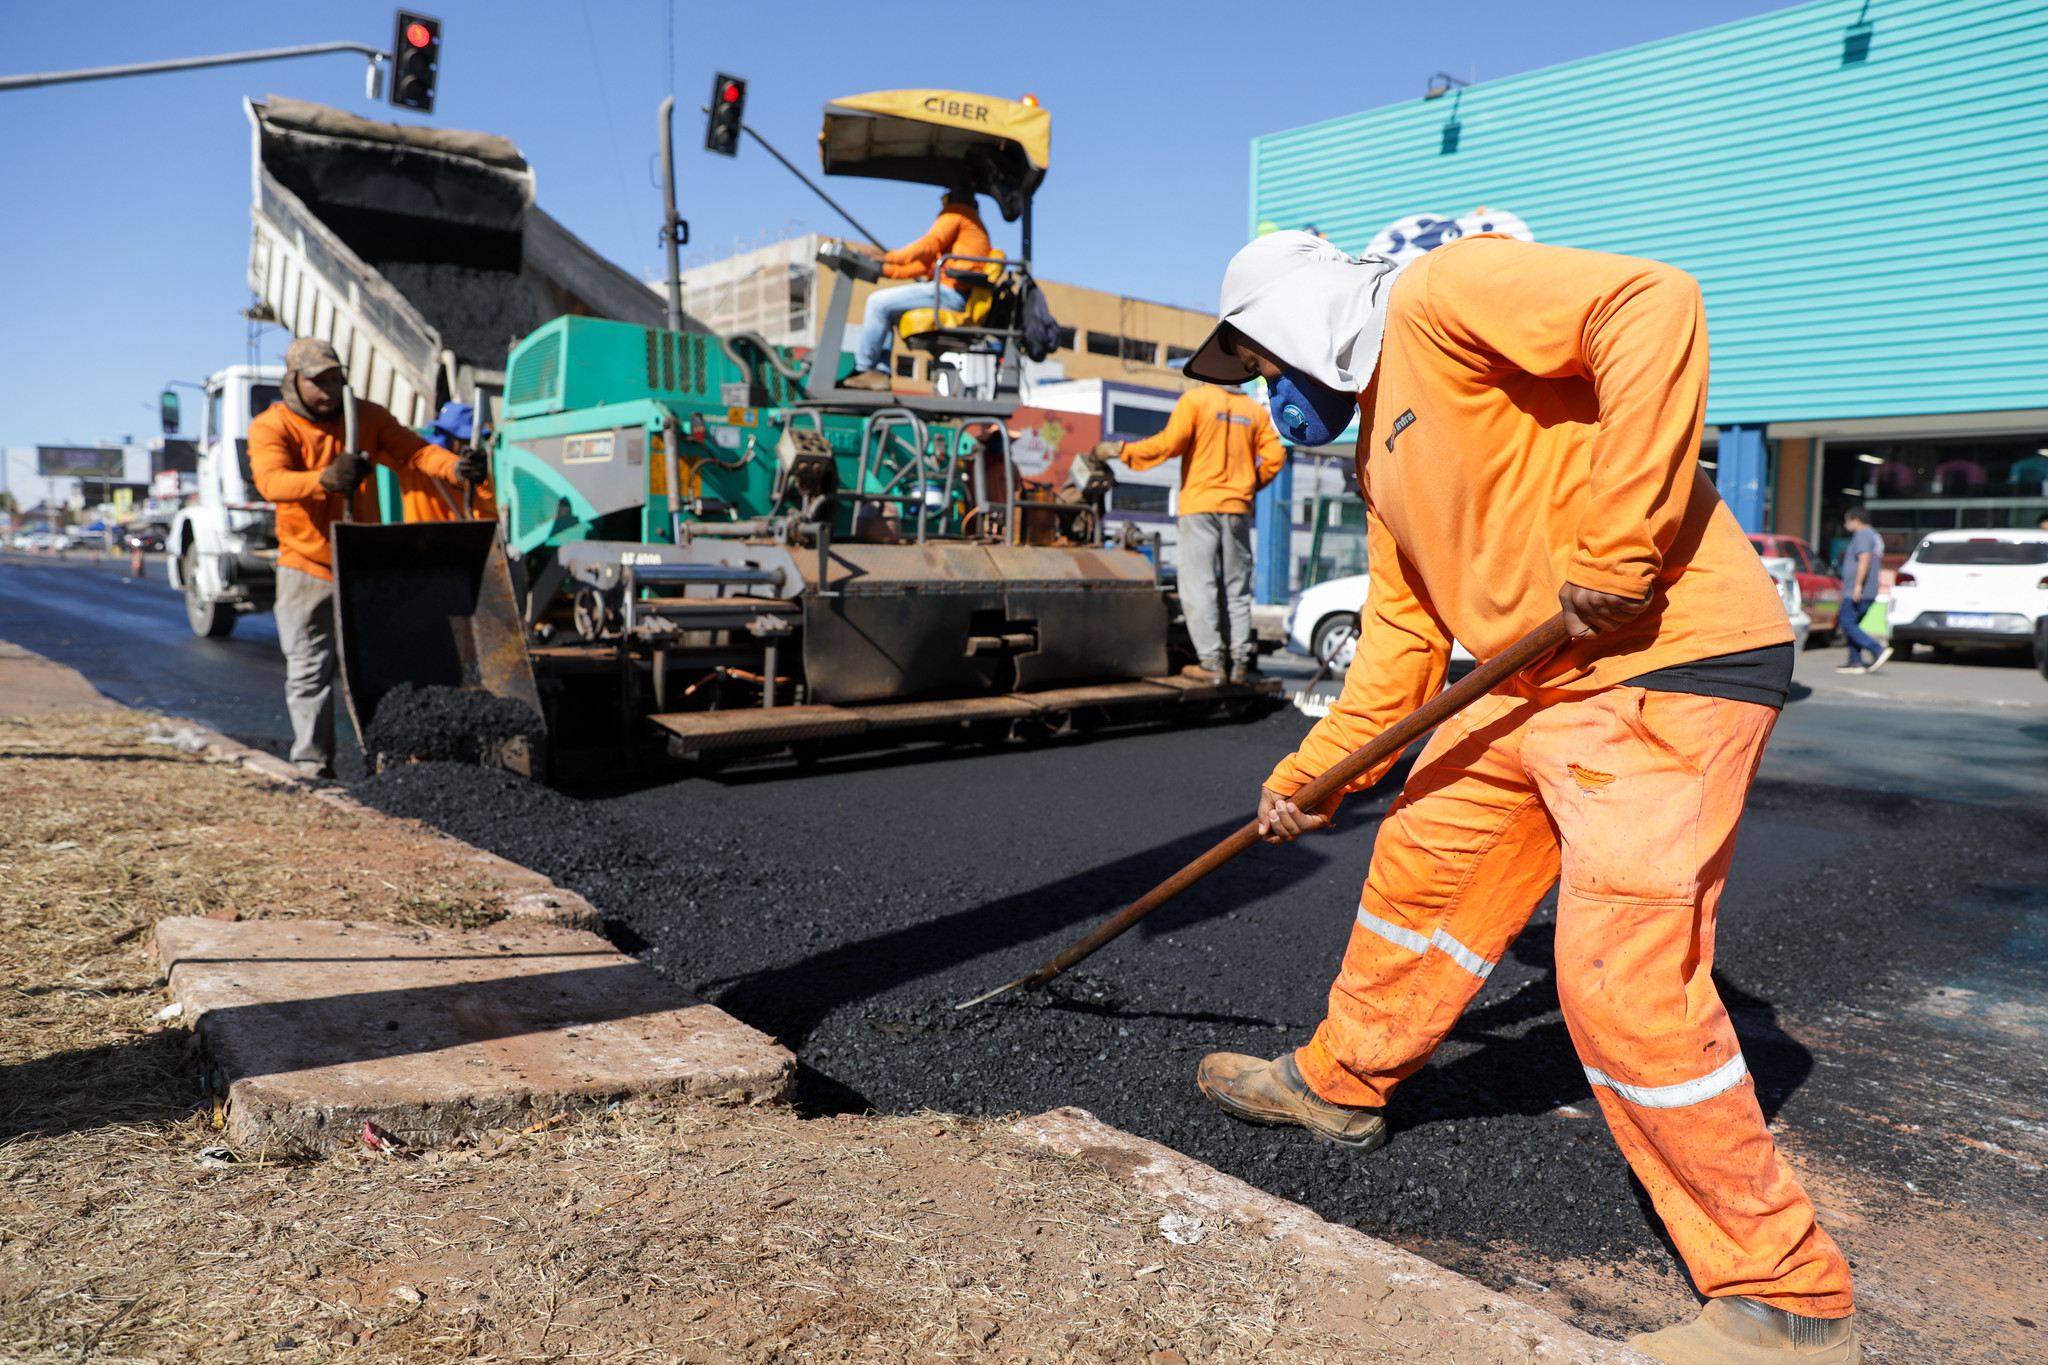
(728, 104)
(415, 61)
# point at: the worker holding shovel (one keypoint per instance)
(1530, 427)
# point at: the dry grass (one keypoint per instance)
(686, 1233)
(652, 1231)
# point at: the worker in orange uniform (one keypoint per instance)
(1228, 451)
(426, 498)
(958, 231)
(297, 458)
(1530, 431)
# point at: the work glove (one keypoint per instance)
(1105, 451)
(473, 466)
(344, 473)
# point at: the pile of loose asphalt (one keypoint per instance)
(847, 909)
(444, 724)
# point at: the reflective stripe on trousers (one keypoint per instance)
(1627, 801)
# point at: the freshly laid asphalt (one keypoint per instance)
(1892, 855)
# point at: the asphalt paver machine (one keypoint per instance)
(716, 547)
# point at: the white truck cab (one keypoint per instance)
(223, 545)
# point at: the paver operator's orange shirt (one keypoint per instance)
(287, 453)
(1535, 420)
(1227, 445)
(958, 231)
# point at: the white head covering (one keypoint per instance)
(1314, 308)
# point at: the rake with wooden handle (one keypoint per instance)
(1536, 645)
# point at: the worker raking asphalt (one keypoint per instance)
(847, 911)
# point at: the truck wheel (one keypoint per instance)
(210, 620)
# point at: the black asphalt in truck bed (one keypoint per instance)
(847, 910)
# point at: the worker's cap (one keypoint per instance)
(1214, 361)
(456, 420)
(311, 356)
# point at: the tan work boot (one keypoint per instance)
(877, 380)
(1244, 672)
(1735, 1331)
(1273, 1093)
(1208, 671)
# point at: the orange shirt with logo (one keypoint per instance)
(1227, 447)
(1534, 420)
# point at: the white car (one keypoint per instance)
(1987, 587)
(1323, 623)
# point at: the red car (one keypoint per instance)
(1820, 590)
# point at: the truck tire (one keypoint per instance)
(210, 620)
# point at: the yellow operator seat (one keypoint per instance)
(938, 329)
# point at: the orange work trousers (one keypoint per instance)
(1628, 801)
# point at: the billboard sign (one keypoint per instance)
(84, 462)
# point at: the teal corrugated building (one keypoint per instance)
(1861, 190)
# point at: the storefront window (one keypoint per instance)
(1913, 487)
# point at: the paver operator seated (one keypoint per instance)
(958, 231)
(1228, 451)
(297, 460)
(1530, 437)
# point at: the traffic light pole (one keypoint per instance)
(673, 227)
(272, 54)
(748, 130)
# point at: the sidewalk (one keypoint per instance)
(1977, 678)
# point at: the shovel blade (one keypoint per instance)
(431, 604)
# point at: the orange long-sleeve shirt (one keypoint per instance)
(1535, 420)
(958, 231)
(286, 455)
(425, 498)
(1227, 445)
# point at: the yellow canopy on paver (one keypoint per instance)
(996, 147)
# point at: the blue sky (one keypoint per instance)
(124, 240)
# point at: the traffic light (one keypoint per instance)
(167, 412)
(728, 103)
(415, 61)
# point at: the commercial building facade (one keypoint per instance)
(1860, 190)
(781, 292)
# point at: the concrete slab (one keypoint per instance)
(312, 1027)
(31, 685)
(1434, 1313)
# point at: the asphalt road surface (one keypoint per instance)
(1883, 947)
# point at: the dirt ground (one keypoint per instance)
(649, 1230)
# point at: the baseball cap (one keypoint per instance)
(310, 356)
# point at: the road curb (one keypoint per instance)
(526, 894)
(1413, 1298)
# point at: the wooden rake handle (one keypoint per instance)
(1536, 645)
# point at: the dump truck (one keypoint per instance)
(707, 545)
(421, 255)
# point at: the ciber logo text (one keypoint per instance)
(955, 109)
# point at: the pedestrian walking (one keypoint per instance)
(1530, 423)
(1861, 562)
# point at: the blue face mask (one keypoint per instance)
(1309, 413)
